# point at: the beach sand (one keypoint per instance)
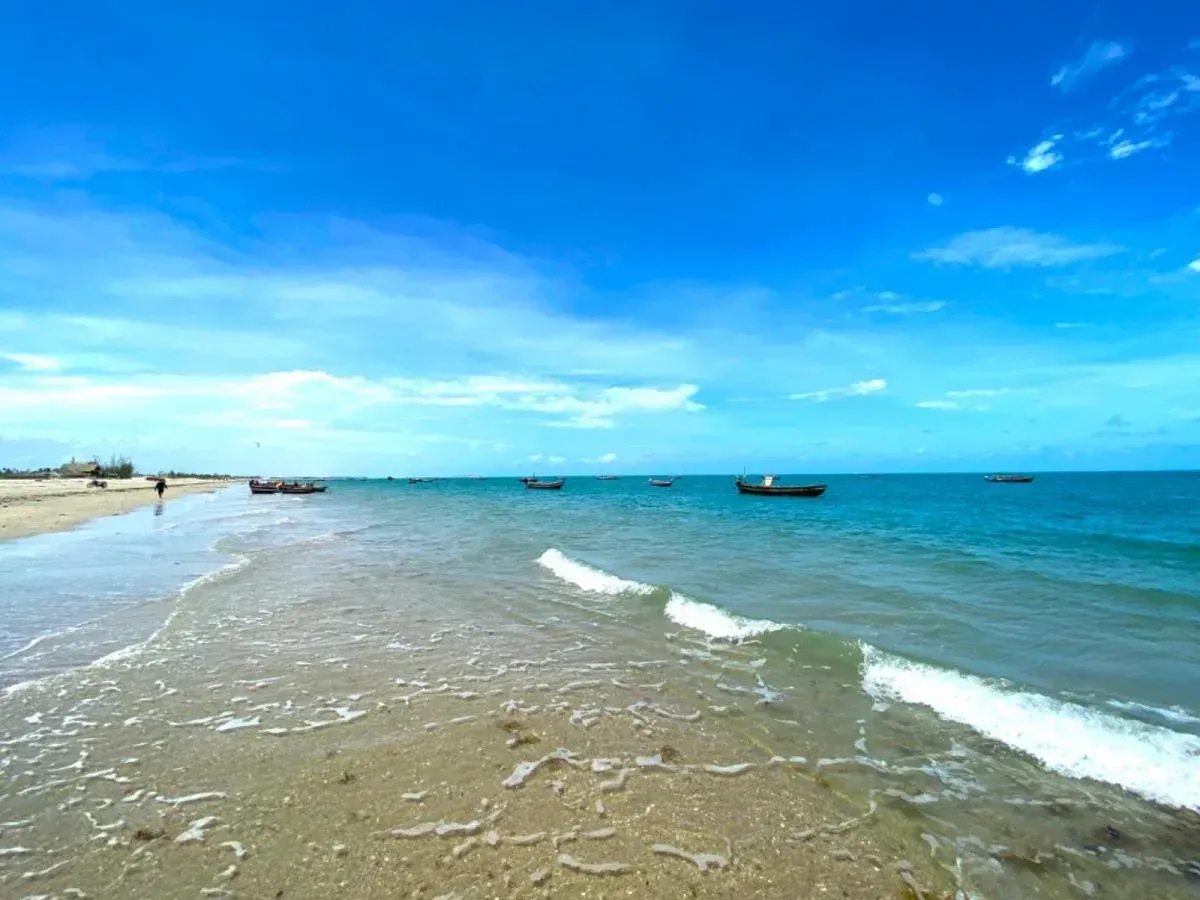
(29, 506)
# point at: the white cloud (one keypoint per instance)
(935, 199)
(289, 396)
(980, 392)
(944, 405)
(1006, 247)
(858, 389)
(1194, 265)
(1098, 56)
(556, 460)
(1125, 149)
(536, 458)
(901, 309)
(33, 362)
(608, 458)
(1072, 325)
(1040, 157)
(951, 406)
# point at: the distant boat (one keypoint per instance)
(1008, 479)
(263, 487)
(607, 477)
(534, 484)
(661, 482)
(769, 488)
(390, 478)
(421, 480)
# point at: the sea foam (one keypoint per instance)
(715, 622)
(1073, 740)
(587, 578)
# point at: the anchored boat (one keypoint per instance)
(535, 484)
(769, 488)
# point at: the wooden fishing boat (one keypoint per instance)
(421, 480)
(537, 485)
(768, 488)
(297, 488)
(1008, 479)
(661, 482)
(263, 487)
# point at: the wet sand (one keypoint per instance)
(319, 723)
(29, 506)
(445, 766)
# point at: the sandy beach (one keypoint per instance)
(29, 506)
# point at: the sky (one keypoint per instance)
(487, 238)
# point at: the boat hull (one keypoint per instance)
(781, 490)
(1009, 479)
(544, 485)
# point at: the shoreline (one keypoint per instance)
(30, 507)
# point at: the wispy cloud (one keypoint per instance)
(935, 200)
(951, 406)
(1122, 147)
(900, 309)
(1194, 266)
(943, 405)
(305, 392)
(1099, 55)
(33, 362)
(604, 460)
(1008, 247)
(1041, 156)
(1072, 325)
(980, 392)
(858, 389)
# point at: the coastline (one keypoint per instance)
(29, 506)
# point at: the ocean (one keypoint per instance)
(1003, 675)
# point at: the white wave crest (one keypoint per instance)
(1073, 740)
(586, 578)
(716, 622)
(1175, 714)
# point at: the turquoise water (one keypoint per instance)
(979, 652)
(1085, 585)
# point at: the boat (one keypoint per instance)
(421, 480)
(607, 477)
(537, 485)
(297, 488)
(263, 487)
(770, 489)
(661, 482)
(1008, 479)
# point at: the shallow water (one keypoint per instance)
(1004, 672)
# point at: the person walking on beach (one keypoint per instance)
(160, 486)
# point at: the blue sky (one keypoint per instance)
(478, 237)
